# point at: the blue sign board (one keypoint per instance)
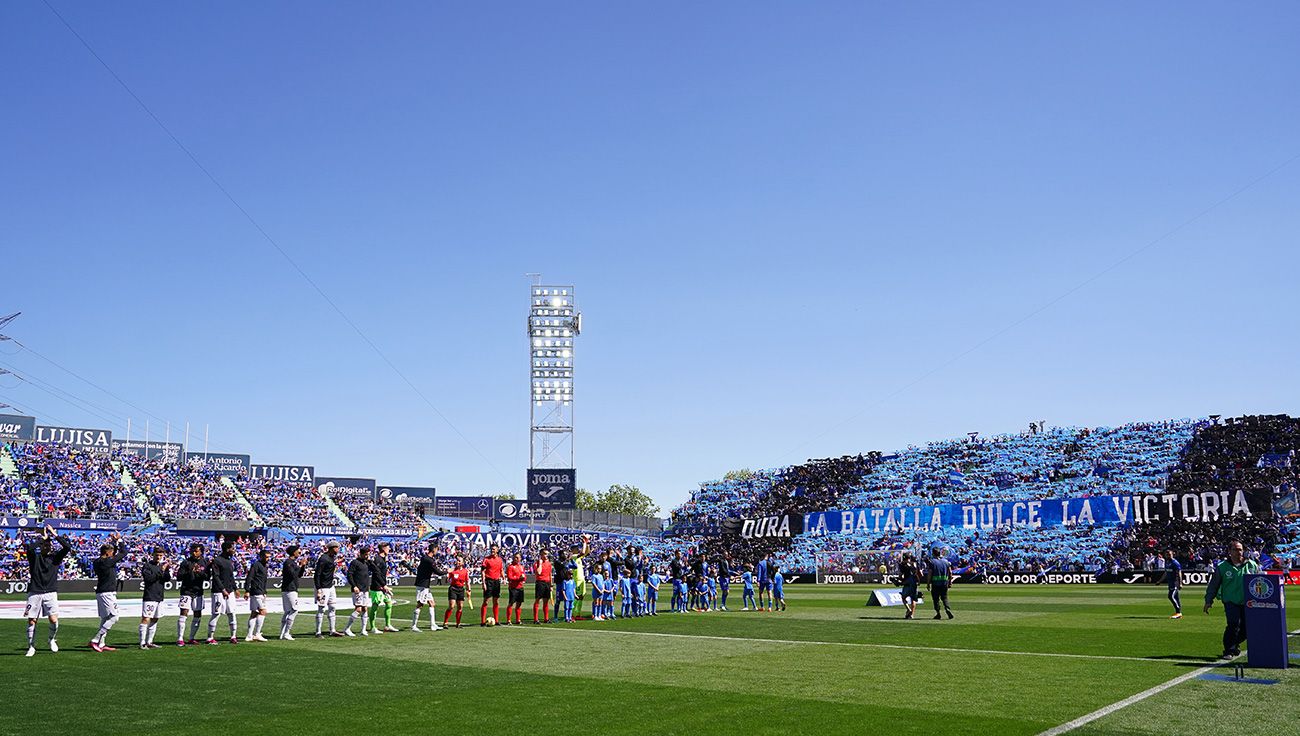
(552, 488)
(512, 510)
(463, 507)
(1266, 640)
(401, 494)
(14, 427)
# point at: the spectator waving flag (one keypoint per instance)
(956, 477)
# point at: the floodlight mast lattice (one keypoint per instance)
(553, 323)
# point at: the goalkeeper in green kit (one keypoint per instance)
(381, 595)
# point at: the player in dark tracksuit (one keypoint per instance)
(675, 571)
(221, 570)
(940, 579)
(359, 576)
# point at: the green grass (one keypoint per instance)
(829, 665)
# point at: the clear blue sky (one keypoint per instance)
(778, 218)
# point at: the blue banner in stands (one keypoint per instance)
(17, 428)
(95, 440)
(1093, 510)
(383, 531)
(347, 487)
(510, 540)
(463, 507)
(320, 530)
(167, 451)
(90, 524)
(287, 473)
(403, 494)
(19, 522)
(514, 510)
(228, 464)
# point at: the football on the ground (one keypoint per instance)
(491, 621)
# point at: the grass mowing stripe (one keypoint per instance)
(1139, 697)
(907, 647)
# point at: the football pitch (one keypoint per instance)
(1016, 660)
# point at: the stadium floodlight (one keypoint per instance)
(553, 322)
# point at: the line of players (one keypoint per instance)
(696, 584)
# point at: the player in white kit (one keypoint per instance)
(43, 563)
(155, 572)
(111, 554)
(290, 575)
(323, 579)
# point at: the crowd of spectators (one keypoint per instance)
(66, 482)
(365, 511)
(281, 503)
(179, 490)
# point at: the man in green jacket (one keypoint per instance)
(1229, 586)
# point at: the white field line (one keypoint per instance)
(868, 645)
(1126, 702)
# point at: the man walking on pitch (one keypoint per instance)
(381, 596)
(255, 589)
(1229, 586)
(43, 563)
(323, 579)
(938, 582)
(764, 584)
(221, 569)
(111, 554)
(424, 573)
(910, 574)
(359, 584)
(1174, 576)
(191, 574)
(290, 577)
(493, 570)
(155, 572)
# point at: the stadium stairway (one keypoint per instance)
(336, 510)
(255, 517)
(141, 500)
(9, 469)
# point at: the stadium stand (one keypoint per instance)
(181, 491)
(281, 503)
(68, 483)
(1258, 452)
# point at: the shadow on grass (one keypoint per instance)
(1185, 658)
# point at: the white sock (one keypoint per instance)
(252, 627)
(351, 620)
(54, 630)
(153, 630)
(415, 618)
(212, 627)
(144, 634)
(320, 619)
(180, 627)
(194, 626)
(333, 620)
(31, 635)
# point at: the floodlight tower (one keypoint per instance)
(553, 323)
